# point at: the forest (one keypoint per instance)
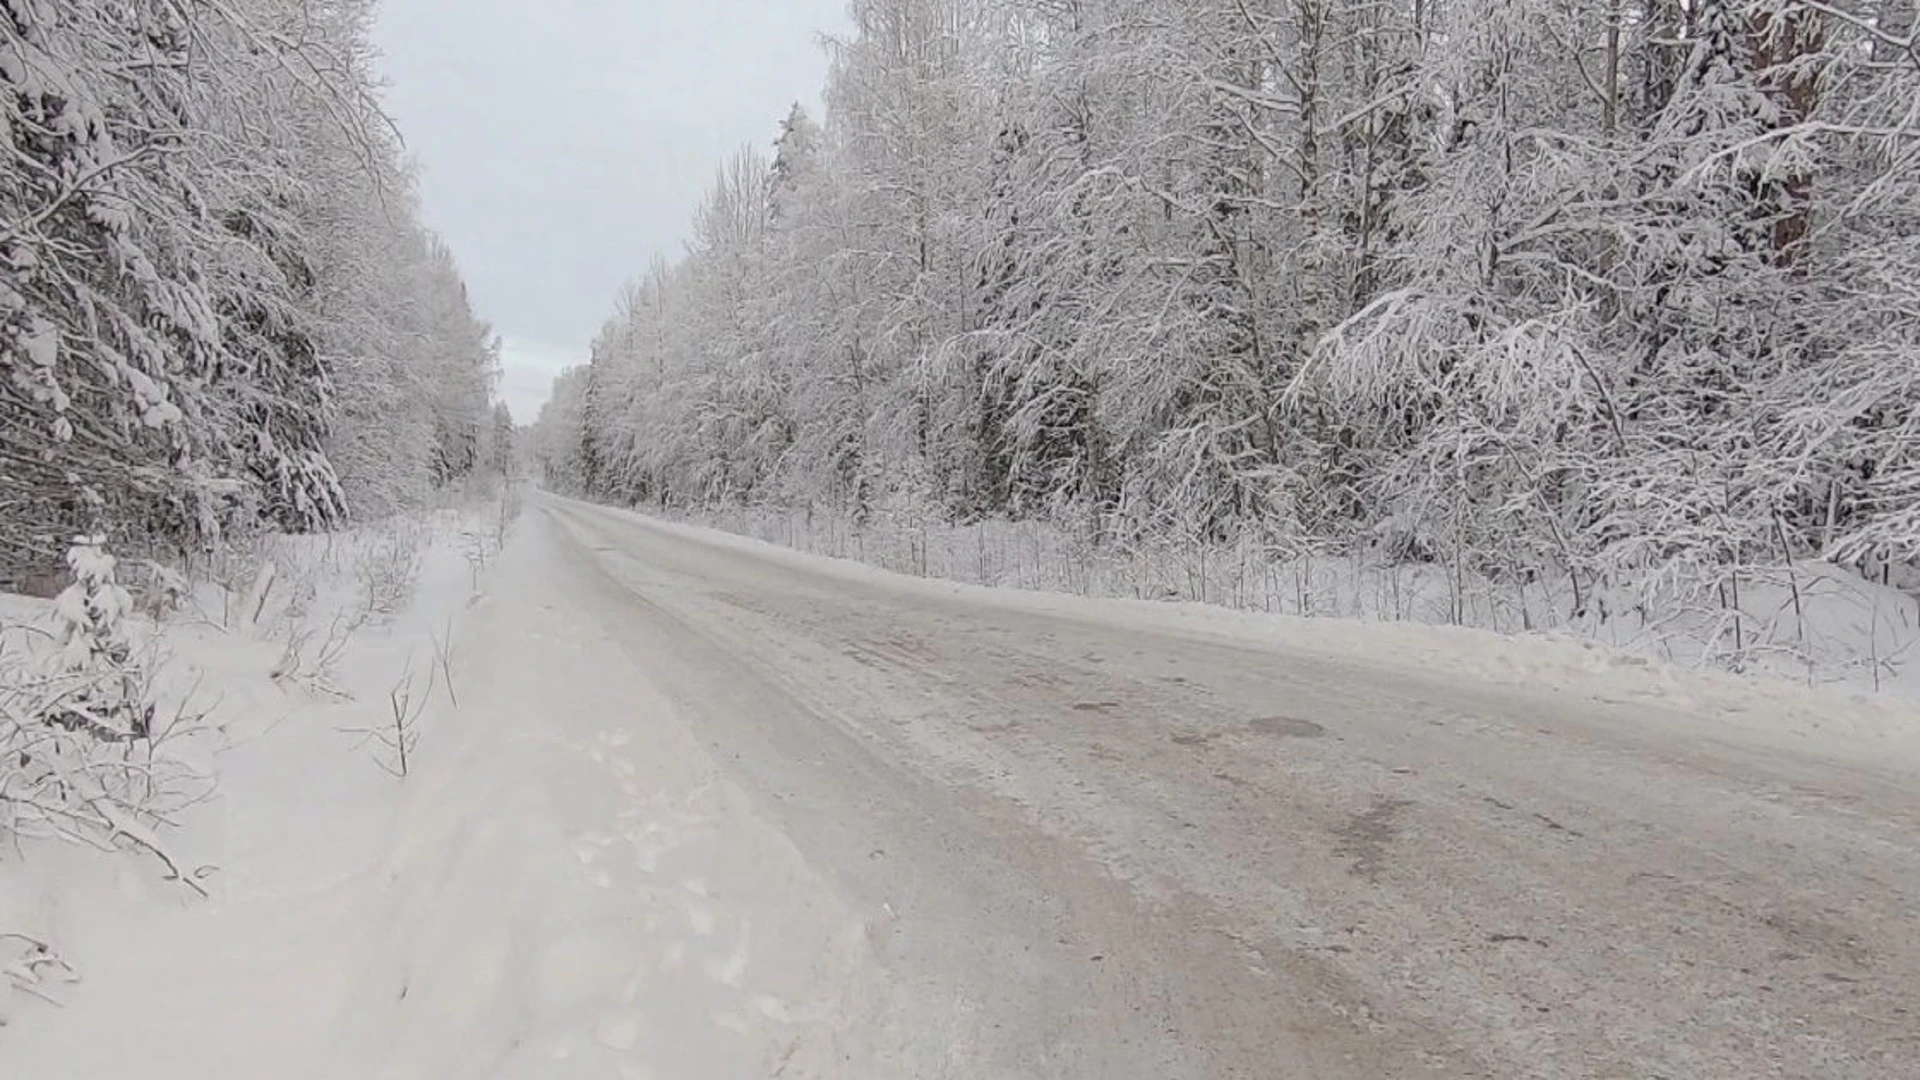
(220, 313)
(1137, 539)
(1616, 298)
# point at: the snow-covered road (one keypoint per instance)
(1091, 846)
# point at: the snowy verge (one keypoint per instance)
(564, 884)
(1811, 621)
(575, 889)
(276, 660)
(1790, 713)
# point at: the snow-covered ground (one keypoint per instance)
(1840, 716)
(1813, 622)
(692, 805)
(564, 885)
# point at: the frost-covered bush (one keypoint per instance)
(106, 695)
(388, 564)
(82, 751)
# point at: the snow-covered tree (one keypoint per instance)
(1612, 292)
(213, 287)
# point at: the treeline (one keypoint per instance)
(218, 308)
(1611, 292)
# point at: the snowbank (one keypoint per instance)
(1812, 623)
(563, 885)
(1840, 720)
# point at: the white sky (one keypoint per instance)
(562, 143)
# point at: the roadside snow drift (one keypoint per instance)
(564, 885)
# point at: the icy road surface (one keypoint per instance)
(1086, 847)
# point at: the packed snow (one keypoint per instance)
(564, 884)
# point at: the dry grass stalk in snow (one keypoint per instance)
(310, 661)
(399, 734)
(483, 537)
(388, 564)
(27, 964)
(478, 550)
(443, 656)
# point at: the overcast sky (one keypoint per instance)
(563, 143)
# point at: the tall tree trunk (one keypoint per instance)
(1787, 42)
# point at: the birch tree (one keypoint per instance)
(1615, 294)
